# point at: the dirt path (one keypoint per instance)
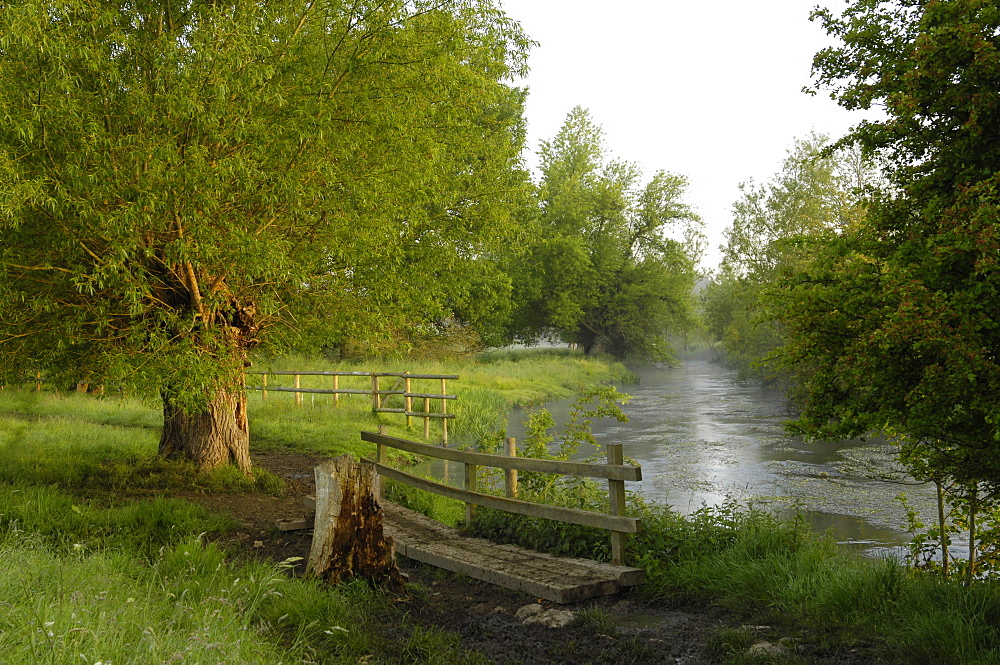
(492, 620)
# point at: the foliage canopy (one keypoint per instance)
(775, 226)
(898, 318)
(613, 263)
(185, 181)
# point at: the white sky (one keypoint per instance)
(710, 90)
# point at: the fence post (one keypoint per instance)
(336, 386)
(427, 418)
(616, 499)
(380, 457)
(38, 381)
(470, 485)
(376, 399)
(511, 450)
(408, 402)
(263, 390)
(444, 412)
(298, 396)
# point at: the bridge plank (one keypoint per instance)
(559, 579)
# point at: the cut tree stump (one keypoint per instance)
(348, 540)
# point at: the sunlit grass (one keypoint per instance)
(87, 443)
(83, 441)
(488, 387)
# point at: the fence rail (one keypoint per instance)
(615, 471)
(377, 392)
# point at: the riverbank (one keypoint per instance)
(77, 488)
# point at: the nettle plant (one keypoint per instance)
(592, 402)
(582, 493)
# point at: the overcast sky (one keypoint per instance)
(710, 90)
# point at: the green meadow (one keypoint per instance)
(92, 574)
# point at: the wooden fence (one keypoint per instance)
(615, 471)
(379, 394)
(34, 376)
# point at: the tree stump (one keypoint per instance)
(348, 540)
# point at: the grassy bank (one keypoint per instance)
(743, 558)
(90, 579)
(777, 573)
(490, 385)
(91, 576)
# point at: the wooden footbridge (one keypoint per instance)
(558, 579)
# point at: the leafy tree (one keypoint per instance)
(613, 265)
(814, 193)
(899, 317)
(185, 181)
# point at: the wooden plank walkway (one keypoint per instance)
(559, 579)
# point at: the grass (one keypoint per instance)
(109, 445)
(490, 385)
(138, 584)
(772, 571)
(87, 579)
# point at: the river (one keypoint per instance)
(702, 436)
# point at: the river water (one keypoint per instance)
(702, 436)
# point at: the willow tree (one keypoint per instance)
(612, 265)
(183, 181)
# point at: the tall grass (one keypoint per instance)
(138, 585)
(743, 558)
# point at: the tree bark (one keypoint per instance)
(348, 540)
(216, 436)
(587, 338)
(970, 573)
(942, 526)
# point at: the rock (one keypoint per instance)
(550, 618)
(528, 611)
(553, 618)
(768, 649)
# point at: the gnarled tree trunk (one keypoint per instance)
(210, 438)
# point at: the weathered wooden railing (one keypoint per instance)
(34, 376)
(615, 471)
(379, 395)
